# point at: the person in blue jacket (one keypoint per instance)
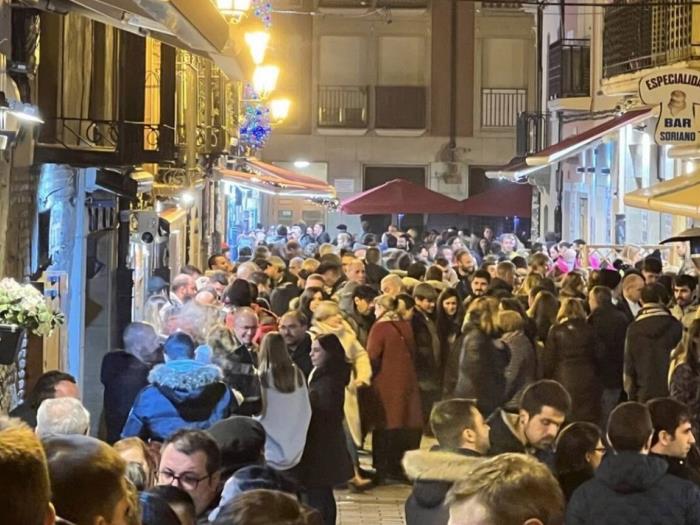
(183, 393)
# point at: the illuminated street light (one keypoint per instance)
(257, 43)
(279, 109)
(234, 9)
(265, 80)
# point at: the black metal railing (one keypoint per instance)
(569, 71)
(500, 107)
(532, 133)
(110, 142)
(639, 35)
(342, 107)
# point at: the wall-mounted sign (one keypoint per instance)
(344, 185)
(676, 91)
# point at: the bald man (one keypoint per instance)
(629, 303)
(392, 285)
(237, 357)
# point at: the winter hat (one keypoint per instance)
(241, 440)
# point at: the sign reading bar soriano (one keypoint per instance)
(676, 92)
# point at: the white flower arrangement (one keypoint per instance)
(25, 306)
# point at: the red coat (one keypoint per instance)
(391, 348)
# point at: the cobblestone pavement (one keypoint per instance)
(379, 506)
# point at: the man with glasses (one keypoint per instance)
(191, 461)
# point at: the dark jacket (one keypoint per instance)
(570, 481)
(570, 357)
(26, 412)
(281, 296)
(610, 326)
(680, 468)
(650, 339)
(123, 376)
(182, 394)
(482, 366)
(326, 461)
(427, 357)
(433, 473)
(499, 288)
(625, 309)
(241, 374)
(375, 274)
(301, 355)
(685, 385)
(631, 488)
(522, 368)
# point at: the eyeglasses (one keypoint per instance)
(186, 481)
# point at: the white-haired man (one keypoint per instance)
(62, 416)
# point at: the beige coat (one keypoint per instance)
(361, 372)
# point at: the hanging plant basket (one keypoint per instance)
(11, 337)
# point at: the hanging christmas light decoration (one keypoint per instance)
(263, 10)
(255, 126)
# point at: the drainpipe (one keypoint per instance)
(453, 81)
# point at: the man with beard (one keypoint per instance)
(534, 428)
(465, 268)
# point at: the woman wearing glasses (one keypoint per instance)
(579, 452)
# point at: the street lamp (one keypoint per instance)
(234, 9)
(279, 109)
(257, 43)
(265, 80)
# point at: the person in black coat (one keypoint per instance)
(124, 374)
(326, 461)
(631, 487)
(610, 328)
(579, 452)
(49, 385)
(293, 327)
(571, 356)
(650, 340)
(483, 358)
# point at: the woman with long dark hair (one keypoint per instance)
(579, 451)
(544, 312)
(326, 461)
(448, 320)
(685, 381)
(284, 392)
(309, 300)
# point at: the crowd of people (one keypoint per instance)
(555, 387)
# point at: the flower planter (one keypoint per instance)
(11, 337)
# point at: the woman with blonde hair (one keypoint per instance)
(483, 357)
(328, 319)
(572, 356)
(522, 368)
(398, 427)
(544, 313)
(574, 286)
(135, 450)
(284, 392)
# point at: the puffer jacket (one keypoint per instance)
(182, 394)
(635, 489)
(433, 473)
(650, 340)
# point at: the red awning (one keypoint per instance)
(575, 143)
(399, 196)
(287, 177)
(508, 200)
(274, 185)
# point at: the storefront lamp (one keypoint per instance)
(265, 80)
(279, 109)
(187, 200)
(257, 43)
(25, 112)
(234, 9)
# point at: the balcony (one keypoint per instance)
(569, 69)
(532, 133)
(400, 108)
(343, 107)
(645, 36)
(373, 4)
(500, 107)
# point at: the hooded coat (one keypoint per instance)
(650, 340)
(635, 489)
(433, 473)
(182, 394)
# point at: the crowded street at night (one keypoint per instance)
(349, 262)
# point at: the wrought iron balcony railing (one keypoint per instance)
(343, 107)
(532, 133)
(500, 107)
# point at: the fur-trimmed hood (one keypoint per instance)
(439, 465)
(184, 374)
